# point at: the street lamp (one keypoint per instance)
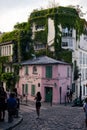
(80, 94)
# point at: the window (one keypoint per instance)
(8, 69)
(86, 73)
(34, 69)
(39, 46)
(48, 71)
(39, 27)
(65, 44)
(67, 32)
(83, 58)
(33, 90)
(24, 89)
(23, 93)
(84, 90)
(9, 50)
(26, 70)
(80, 58)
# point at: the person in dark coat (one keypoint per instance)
(12, 106)
(3, 97)
(38, 103)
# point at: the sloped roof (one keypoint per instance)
(42, 60)
(6, 43)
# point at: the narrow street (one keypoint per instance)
(57, 117)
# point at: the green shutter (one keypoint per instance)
(48, 71)
(23, 89)
(33, 90)
(26, 69)
(26, 88)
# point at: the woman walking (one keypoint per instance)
(38, 103)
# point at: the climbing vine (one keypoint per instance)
(64, 16)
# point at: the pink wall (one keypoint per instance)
(59, 79)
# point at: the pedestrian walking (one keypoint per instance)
(18, 101)
(68, 95)
(3, 98)
(71, 94)
(85, 110)
(38, 103)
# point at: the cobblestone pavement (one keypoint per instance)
(8, 126)
(57, 117)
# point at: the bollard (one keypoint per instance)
(26, 99)
(51, 100)
(65, 100)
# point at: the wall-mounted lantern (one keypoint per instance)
(55, 85)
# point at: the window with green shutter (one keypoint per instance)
(26, 89)
(23, 92)
(26, 70)
(33, 90)
(48, 71)
(34, 70)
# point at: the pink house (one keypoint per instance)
(49, 76)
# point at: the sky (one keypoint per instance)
(14, 11)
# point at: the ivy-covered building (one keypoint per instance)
(15, 47)
(61, 33)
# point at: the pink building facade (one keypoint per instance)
(49, 76)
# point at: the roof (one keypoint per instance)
(6, 43)
(42, 60)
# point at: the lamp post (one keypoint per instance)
(80, 94)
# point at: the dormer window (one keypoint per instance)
(34, 69)
(48, 71)
(26, 70)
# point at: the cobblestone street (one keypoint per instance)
(57, 117)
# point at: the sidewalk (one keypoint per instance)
(8, 126)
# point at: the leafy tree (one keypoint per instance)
(9, 79)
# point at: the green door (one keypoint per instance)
(48, 94)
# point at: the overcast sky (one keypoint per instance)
(13, 11)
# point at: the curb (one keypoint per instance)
(14, 123)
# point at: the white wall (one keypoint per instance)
(51, 33)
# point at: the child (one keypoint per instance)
(85, 110)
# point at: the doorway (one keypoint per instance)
(48, 94)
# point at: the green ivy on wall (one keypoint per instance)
(41, 37)
(10, 79)
(64, 16)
